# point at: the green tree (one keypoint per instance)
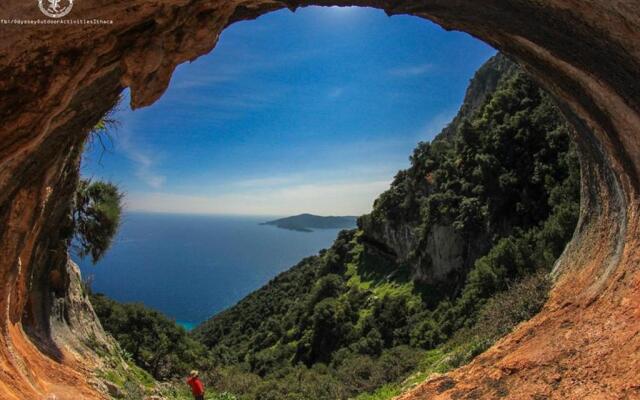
(155, 343)
(96, 217)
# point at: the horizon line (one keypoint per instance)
(141, 211)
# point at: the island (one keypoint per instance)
(309, 222)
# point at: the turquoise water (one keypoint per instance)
(192, 267)
(187, 325)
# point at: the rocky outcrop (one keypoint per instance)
(73, 321)
(399, 239)
(57, 80)
(444, 251)
(483, 84)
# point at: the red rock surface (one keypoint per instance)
(57, 80)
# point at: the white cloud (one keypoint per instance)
(342, 198)
(196, 81)
(335, 92)
(411, 70)
(144, 162)
(241, 64)
(262, 182)
(144, 169)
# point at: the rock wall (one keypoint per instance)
(444, 252)
(484, 82)
(57, 80)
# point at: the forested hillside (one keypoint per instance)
(452, 257)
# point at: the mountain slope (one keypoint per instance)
(469, 229)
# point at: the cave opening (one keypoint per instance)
(472, 223)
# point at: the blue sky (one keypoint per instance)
(312, 111)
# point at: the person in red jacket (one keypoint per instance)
(197, 388)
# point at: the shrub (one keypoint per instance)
(96, 217)
(154, 342)
(505, 310)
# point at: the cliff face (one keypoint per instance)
(57, 80)
(484, 82)
(444, 251)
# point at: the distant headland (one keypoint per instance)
(309, 222)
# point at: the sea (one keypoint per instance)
(191, 267)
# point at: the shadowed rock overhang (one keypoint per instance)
(56, 81)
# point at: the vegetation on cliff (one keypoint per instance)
(150, 339)
(96, 217)
(353, 320)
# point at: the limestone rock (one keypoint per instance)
(114, 390)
